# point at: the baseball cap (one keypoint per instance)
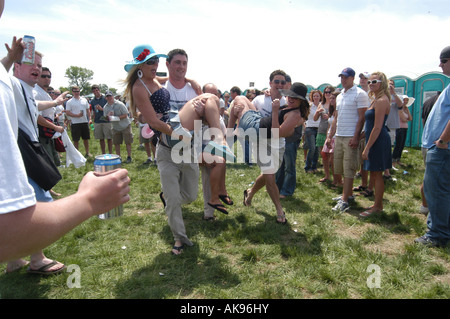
(445, 54)
(365, 74)
(347, 72)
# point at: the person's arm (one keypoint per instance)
(407, 113)
(445, 137)
(88, 113)
(70, 113)
(15, 53)
(195, 85)
(381, 107)
(145, 107)
(291, 122)
(354, 142)
(43, 122)
(43, 105)
(319, 112)
(332, 131)
(34, 228)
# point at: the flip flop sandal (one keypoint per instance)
(360, 188)
(219, 207)
(226, 199)
(367, 193)
(368, 213)
(282, 217)
(44, 269)
(245, 198)
(178, 249)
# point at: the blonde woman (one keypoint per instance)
(377, 152)
(179, 181)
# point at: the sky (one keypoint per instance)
(235, 42)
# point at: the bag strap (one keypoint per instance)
(28, 107)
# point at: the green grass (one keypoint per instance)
(246, 254)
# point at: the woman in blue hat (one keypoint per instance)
(172, 124)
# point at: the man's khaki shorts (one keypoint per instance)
(125, 135)
(102, 131)
(346, 159)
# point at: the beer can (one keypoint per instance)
(104, 163)
(28, 53)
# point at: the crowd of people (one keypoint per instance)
(353, 129)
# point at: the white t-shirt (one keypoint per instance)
(41, 95)
(310, 122)
(76, 106)
(180, 96)
(264, 104)
(26, 123)
(15, 192)
(347, 105)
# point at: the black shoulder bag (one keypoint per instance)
(38, 164)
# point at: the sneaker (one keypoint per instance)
(339, 198)
(427, 241)
(424, 210)
(341, 207)
(148, 161)
(128, 159)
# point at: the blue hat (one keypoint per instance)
(141, 54)
(348, 72)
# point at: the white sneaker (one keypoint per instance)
(424, 210)
(341, 207)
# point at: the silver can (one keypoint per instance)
(28, 53)
(104, 163)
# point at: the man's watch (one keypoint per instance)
(441, 142)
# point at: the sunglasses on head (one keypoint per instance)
(374, 81)
(46, 76)
(279, 81)
(152, 61)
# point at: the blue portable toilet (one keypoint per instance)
(426, 86)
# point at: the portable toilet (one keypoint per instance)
(426, 86)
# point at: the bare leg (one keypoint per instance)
(110, 146)
(117, 148)
(379, 190)
(86, 146)
(347, 190)
(102, 146)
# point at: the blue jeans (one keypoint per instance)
(313, 150)
(286, 177)
(436, 184)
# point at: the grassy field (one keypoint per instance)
(246, 254)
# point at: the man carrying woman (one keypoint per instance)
(179, 179)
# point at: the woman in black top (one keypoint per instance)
(270, 133)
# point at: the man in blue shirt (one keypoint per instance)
(436, 183)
